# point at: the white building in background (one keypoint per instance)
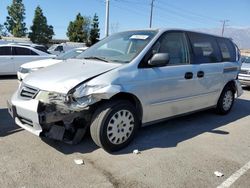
(5, 40)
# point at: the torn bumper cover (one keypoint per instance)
(49, 120)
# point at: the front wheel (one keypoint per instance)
(114, 125)
(226, 101)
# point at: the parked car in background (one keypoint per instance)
(12, 56)
(36, 46)
(244, 74)
(243, 58)
(27, 68)
(127, 80)
(56, 49)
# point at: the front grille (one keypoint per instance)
(244, 72)
(28, 92)
(26, 121)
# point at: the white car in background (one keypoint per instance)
(36, 46)
(57, 49)
(27, 68)
(12, 56)
(244, 74)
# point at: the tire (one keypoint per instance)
(226, 101)
(114, 125)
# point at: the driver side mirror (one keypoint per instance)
(159, 60)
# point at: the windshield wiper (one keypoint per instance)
(97, 58)
(118, 61)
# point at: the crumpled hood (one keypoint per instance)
(41, 63)
(64, 76)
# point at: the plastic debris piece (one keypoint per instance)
(136, 151)
(79, 161)
(218, 174)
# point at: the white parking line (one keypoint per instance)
(228, 182)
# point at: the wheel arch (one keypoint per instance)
(131, 98)
(232, 85)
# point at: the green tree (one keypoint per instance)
(78, 30)
(15, 21)
(3, 31)
(41, 32)
(94, 31)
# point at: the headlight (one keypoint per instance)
(52, 97)
(24, 70)
(85, 90)
(82, 95)
(28, 70)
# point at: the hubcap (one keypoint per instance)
(120, 126)
(227, 100)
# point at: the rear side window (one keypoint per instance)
(33, 53)
(205, 48)
(5, 50)
(23, 51)
(227, 49)
(41, 48)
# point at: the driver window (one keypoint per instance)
(175, 44)
(59, 48)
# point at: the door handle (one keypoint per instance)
(200, 74)
(188, 75)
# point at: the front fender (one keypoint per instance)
(107, 92)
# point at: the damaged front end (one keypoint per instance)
(63, 124)
(66, 117)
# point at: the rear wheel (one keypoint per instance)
(226, 101)
(114, 125)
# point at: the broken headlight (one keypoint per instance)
(83, 95)
(86, 90)
(52, 97)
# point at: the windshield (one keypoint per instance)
(120, 47)
(52, 47)
(70, 54)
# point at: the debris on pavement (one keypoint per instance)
(79, 161)
(136, 151)
(218, 174)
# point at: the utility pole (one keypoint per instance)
(107, 19)
(151, 14)
(223, 26)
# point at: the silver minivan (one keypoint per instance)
(128, 80)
